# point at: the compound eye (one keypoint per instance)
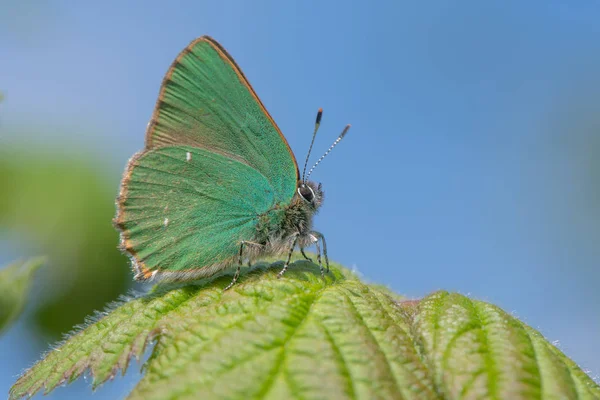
(307, 193)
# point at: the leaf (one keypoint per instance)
(14, 288)
(306, 337)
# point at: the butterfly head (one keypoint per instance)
(311, 193)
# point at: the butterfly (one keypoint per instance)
(216, 182)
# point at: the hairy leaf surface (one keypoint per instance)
(305, 337)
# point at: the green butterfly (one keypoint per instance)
(217, 182)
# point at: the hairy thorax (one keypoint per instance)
(279, 227)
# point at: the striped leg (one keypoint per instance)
(285, 267)
(319, 257)
(240, 262)
(319, 235)
(304, 254)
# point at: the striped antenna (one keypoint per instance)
(339, 139)
(317, 124)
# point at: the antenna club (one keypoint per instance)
(346, 129)
(319, 116)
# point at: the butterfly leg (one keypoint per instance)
(287, 263)
(319, 235)
(319, 256)
(304, 254)
(241, 261)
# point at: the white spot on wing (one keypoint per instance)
(188, 156)
(166, 222)
(154, 274)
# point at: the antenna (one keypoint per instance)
(317, 124)
(339, 139)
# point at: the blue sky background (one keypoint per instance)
(471, 164)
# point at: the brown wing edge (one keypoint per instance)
(141, 272)
(225, 55)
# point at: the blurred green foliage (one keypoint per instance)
(62, 205)
(15, 281)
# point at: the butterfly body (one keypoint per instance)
(280, 226)
(216, 183)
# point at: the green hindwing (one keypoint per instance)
(205, 101)
(183, 211)
(215, 162)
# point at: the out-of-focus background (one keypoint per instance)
(472, 165)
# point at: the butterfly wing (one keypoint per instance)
(215, 162)
(206, 101)
(183, 211)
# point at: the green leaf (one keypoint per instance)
(306, 337)
(14, 288)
